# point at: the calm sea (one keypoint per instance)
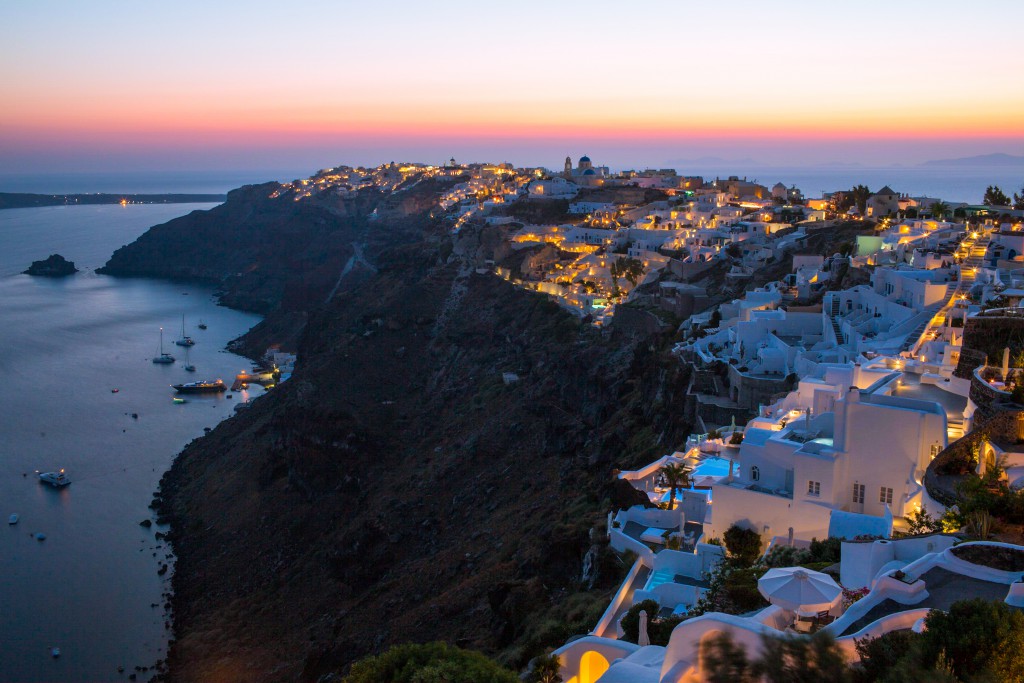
(952, 184)
(64, 346)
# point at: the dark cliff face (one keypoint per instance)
(398, 488)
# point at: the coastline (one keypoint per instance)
(30, 200)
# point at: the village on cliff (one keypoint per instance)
(857, 391)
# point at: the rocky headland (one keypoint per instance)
(54, 265)
(435, 468)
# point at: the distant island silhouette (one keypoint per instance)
(22, 200)
(997, 159)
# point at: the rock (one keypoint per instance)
(54, 266)
(146, 523)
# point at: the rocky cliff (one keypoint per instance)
(433, 469)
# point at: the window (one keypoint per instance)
(858, 494)
(885, 495)
(935, 450)
(814, 488)
(755, 473)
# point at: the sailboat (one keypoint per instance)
(202, 325)
(188, 364)
(163, 358)
(185, 339)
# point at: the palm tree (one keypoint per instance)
(676, 476)
(939, 209)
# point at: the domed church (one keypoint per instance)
(585, 174)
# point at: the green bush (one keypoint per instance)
(658, 629)
(744, 545)
(978, 639)
(829, 550)
(879, 655)
(429, 663)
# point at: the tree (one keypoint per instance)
(1018, 200)
(659, 629)
(800, 660)
(860, 194)
(939, 209)
(546, 669)
(676, 476)
(995, 197)
(723, 661)
(879, 655)
(744, 545)
(978, 639)
(782, 660)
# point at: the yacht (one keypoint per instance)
(204, 387)
(13, 519)
(55, 479)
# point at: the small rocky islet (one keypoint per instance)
(53, 266)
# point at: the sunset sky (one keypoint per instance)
(106, 84)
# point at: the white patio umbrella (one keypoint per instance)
(799, 590)
(643, 638)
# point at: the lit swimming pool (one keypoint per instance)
(712, 467)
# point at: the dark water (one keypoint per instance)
(189, 182)
(64, 344)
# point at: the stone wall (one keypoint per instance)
(989, 335)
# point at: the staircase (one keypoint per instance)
(833, 315)
(975, 259)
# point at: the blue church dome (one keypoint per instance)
(584, 158)
(590, 171)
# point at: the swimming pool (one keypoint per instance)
(712, 467)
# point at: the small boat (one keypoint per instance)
(114, 391)
(204, 387)
(178, 400)
(13, 519)
(39, 536)
(185, 339)
(163, 358)
(188, 364)
(202, 325)
(55, 479)
(55, 652)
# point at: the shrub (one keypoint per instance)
(923, 523)
(978, 639)
(829, 550)
(879, 655)
(658, 629)
(787, 556)
(429, 663)
(744, 545)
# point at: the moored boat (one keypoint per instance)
(55, 479)
(13, 519)
(163, 358)
(203, 387)
(185, 339)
